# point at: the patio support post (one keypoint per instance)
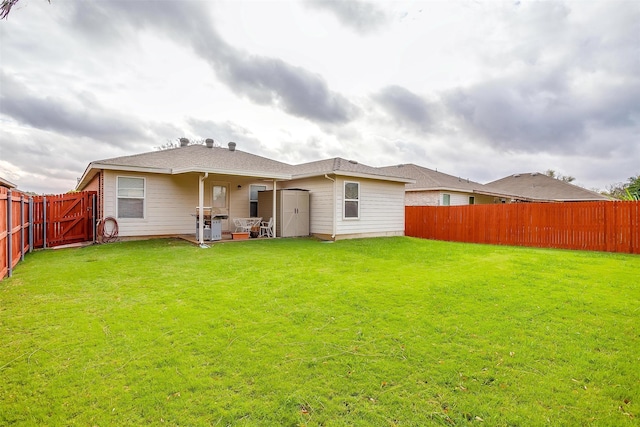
(201, 207)
(273, 213)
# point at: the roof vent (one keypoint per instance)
(209, 142)
(516, 175)
(232, 146)
(184, 142)
(353, 162)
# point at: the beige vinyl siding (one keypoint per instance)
(321, 203)
(381, 209)
(434, 198)
(455, 199)
(169, 202)
(239, 200)
(461, 199)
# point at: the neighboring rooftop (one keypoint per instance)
(540, 187)
(341, 166)
(431, 180)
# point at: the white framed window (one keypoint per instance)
(219, 197)
(351, 200)
(131, 196)
(472, 200)
(446, 200)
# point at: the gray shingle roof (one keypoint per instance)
(540, 187)
(345, 167)
(429, 179)
(200, 158)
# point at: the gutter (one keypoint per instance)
(356, 175)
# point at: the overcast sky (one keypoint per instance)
(477, 89)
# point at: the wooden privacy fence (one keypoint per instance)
(32, 222)
(593, 226)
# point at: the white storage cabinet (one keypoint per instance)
(292, 210)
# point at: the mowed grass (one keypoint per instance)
(292, 332)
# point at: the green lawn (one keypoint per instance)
(372, 332)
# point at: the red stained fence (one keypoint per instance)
(28, 223)
(592, 226)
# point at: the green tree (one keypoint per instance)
(629, 190)
(565, 178)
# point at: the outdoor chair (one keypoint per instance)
(266, 228)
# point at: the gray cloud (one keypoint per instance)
(293, 89)
(81, 116)
(264, 80)
(550, 114)
(362, 16)
(406, 108)
(224, 132)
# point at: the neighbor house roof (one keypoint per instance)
(540, 187)
(339, 166)
(224, 161)
(431, 180)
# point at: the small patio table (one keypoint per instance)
(246, 224)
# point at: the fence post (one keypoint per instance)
(44, 222)
(9, 234)
(22, 227)
(30, 224)
(93, 218)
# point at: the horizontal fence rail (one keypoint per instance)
(32, 222)
(593, 226)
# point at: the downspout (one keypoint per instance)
(333, 236)
(201, 208)
(273, 213)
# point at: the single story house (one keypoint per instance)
(163, 192)
(433, 188)
(538, 187)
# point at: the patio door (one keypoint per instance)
(220, 201)
(253, 199)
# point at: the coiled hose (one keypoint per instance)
(108, 229)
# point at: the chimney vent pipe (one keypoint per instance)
(209, 142)
(232, 146)
(184, 142)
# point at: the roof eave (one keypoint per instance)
(373, 176)
(233, 172)
(92, 169)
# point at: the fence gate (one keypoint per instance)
(63, 219)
